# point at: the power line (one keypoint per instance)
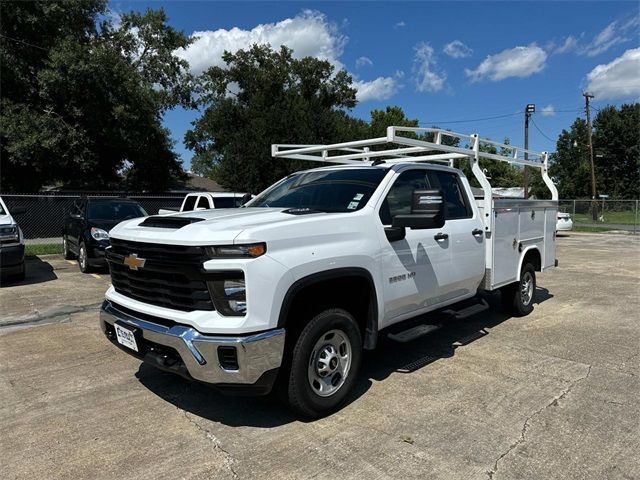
(436, 122)
(23, 42)
(540, 131)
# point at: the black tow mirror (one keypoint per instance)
(427, 211)
(245, 198)
(18, 210)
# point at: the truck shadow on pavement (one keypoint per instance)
(389, 357)
(37, 271)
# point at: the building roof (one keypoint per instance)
(202, 184)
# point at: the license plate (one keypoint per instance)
(126, 337)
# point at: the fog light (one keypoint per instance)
(229, 296)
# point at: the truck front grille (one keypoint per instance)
(172, 275)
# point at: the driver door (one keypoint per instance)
(417, 269)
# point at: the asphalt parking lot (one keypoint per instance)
(553, 395)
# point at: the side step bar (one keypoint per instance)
(422, 329)
(468, 311)
(413, 333)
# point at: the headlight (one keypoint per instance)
(9, 234)
(252, 250)
(229, 296)
(99, 234)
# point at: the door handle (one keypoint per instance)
(441, 236)
(477, 232)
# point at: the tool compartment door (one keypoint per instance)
(505, 245)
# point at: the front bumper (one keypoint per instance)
(11, 259)
(187, 352)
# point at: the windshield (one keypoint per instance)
(115, 210)
(2, 212)
(344, 190)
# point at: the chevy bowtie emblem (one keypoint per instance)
(133, 262)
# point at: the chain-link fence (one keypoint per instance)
(44, 214)
(603, 214)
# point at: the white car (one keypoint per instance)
(11, 244)
(564, 222)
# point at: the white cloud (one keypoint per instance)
(457, 49)
(363, 62)
(400, 24)
(382, 88)
(428, 77)
(618, 79)
(617, 32)
(308, 34)
(548, 111)
(513, 62)
(570, 43)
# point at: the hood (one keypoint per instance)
(105, 225)
(216, 226)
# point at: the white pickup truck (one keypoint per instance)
(290, 288)
(207, 200)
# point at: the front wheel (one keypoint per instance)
(325, 363)
(517, 298)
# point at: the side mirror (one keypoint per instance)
(245, 198)
(427, 211)
(18, 210)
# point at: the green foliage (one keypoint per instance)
(616, 147)
(262, 97)
(82, 105)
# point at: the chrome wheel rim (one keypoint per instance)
(526, 288)
(329, 363)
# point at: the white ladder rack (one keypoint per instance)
(402, 149)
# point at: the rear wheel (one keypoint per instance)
(517, 298)
(325, 363)
(83, 259)
(68, 254)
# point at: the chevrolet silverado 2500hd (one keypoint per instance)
(296, 283)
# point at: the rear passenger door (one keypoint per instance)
(466, 233)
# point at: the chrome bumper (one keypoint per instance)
(257, 353)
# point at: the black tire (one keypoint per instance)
(300, 394)
(517, 298)
(68, 254)
(83, 259)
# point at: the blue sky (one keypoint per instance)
(467, 66)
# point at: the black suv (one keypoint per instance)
(85, 233)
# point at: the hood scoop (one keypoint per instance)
(169, 222)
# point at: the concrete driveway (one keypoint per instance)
(553, 395)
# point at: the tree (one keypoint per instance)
(82, 102)
(616, 144)
(260, 97)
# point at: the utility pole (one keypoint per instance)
(529, 109)
(594, 206)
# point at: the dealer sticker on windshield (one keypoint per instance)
(353, 205)
(126, 337)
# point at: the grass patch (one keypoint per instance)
(622, 218)
(31, 250)
(581, 228)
